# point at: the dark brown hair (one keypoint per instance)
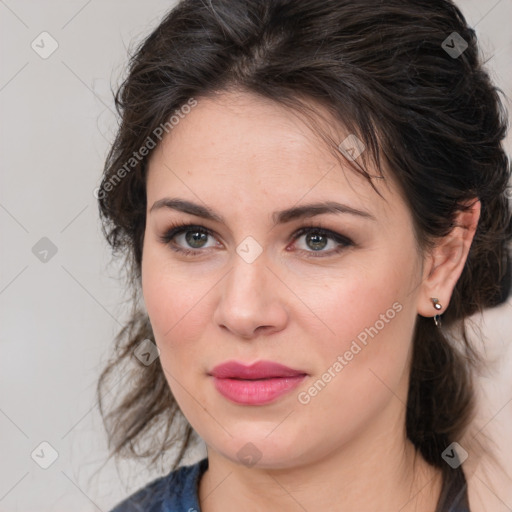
(383, 71)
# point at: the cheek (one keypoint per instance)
(368, 318)
(353, 299)
(176, 302)
(363, 369)
(177, 309)
(372, 335)
(360, 373)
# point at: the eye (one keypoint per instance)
(191, 239)
(182, 235)
(318, 238)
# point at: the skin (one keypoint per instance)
(245, 157)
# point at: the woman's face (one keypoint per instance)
(338, 307)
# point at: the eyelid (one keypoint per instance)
(176, 229)
(344, 242)
(334, 235)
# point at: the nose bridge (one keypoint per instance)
(245, 287)
(249, 300)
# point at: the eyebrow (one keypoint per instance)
(278, 217)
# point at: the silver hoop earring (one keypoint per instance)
(438, 307)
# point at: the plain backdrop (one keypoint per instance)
(60, 303)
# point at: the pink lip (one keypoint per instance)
(257, 384)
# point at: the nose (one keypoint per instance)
(250, 303)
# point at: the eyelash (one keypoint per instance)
(178, 229)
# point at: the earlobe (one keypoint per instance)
(445, 262)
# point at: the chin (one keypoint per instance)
(263, 451)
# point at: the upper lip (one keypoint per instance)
(258, 370)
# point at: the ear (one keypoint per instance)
(444, 263)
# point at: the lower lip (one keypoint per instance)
(256, 392)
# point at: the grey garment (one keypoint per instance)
(454, 494)
(178, 492)
(175, 492)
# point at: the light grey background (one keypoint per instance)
(58, 317)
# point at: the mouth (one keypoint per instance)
(256, 371)
(258, 384)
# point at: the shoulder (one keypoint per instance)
(174, 492)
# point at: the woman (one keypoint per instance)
(311, 198)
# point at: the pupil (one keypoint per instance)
(318, 241)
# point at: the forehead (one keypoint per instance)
(243, 145)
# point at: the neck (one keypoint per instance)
(378, 471)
